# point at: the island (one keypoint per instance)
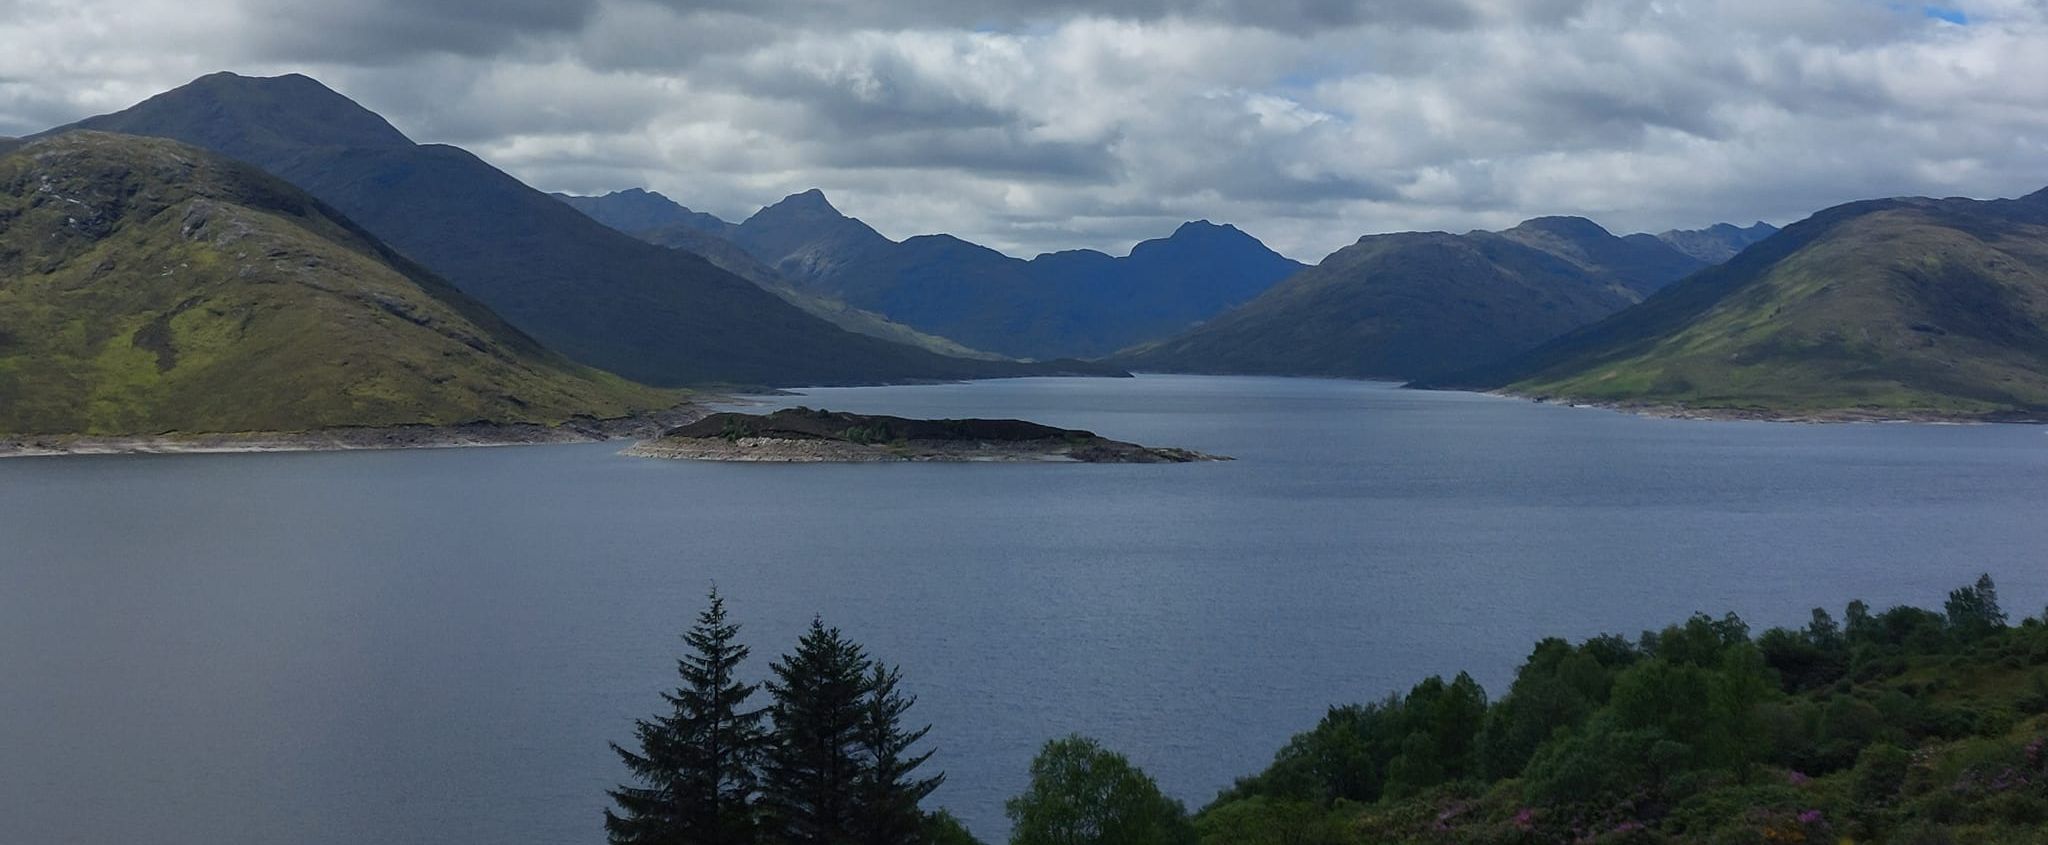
(806, 435)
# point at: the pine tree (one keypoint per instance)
(696, 765)
(887, 796)
(814, 764)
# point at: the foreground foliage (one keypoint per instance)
(1907, 726)
(833, 765)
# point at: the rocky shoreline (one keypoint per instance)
(802, 435)
(578, 430)
(1841, 416)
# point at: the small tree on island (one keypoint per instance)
(696, 765)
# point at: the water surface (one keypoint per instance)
(435, 646)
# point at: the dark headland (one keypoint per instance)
(805, 435)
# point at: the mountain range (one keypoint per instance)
(278, 258)
(148, 287)
(658, 220)
(1882, 308)
(1079, 303)
(1714, 244)
(1417, 304)
(656, 315)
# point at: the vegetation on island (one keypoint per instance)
(1901, 727)
(806, 434)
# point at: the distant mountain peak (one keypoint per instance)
(1204, 228)
(220, 110)
(638, 210)
(812, 200)
(1565, 226)
(1717, 243)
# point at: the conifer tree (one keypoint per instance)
(814, 765)
(887, 794)
(1973, 611)
(696, 765)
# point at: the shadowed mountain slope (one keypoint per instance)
(1416, 304)
(1080, 303)
(657, 315)
(148, 287)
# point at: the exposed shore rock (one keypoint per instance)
(803, 435)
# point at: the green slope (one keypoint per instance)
(147, 287)
(597, 295)
(1888, 308)
(1418, 304)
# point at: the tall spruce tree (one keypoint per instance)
(887, 794)
(814, 765)
(696, 765)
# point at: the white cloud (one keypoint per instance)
(1061, 124)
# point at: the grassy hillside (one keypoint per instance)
(1417, 304)
(147, 287)
(1903, 307)
(600, 296)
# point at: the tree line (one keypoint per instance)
(828, 759)
(1904, 726)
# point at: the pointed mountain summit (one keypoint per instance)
(1079, 303)
(1886, 308)
(657, 315)
(184, 292)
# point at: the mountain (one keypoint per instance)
(638, 210)
(1717, 243)
(1897, 307)
(729, 257)
(148, 287)
(656, 315)
(1415, 304)
(1639, 267)
(1081, 303)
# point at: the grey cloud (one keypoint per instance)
(991, 151)
(1057, 124)
(372, 31)
(1282, 15)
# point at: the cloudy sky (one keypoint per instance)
(1051, 124)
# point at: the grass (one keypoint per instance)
(1918, 307)
(149, 288)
